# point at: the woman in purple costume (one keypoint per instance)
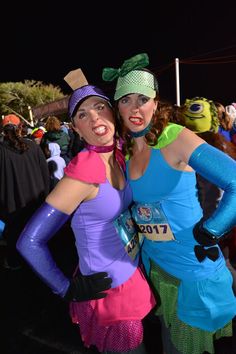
(108, 294)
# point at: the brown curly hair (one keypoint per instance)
(13, 137)
(223, 116)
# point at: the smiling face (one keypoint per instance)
(94, 121)
(137, 111)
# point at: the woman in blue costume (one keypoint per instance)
(180, 252)
(109, 295)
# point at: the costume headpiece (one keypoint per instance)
(38, 133)
(78, 82)
(200, 115)
(131, 77)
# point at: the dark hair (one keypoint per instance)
(223, 116)
(12, 135)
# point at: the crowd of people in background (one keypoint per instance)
(32, 162)
(54, 160)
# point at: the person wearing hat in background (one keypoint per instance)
(108, 294)
(37, 134)
(24, 184)
(182, 259)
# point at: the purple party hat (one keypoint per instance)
(84, 92)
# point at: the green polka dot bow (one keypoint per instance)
(139, 61)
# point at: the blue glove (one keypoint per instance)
(219, 169)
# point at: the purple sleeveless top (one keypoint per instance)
(98, 244)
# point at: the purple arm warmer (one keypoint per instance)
(220, 169)
(32, 245)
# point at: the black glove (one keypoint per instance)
(204, 237)
(88, 287)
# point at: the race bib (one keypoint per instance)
(152, 222)
(127, 231)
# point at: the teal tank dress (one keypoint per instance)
(205, 295)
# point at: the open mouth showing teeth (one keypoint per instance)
(100, 130)
(136, 120)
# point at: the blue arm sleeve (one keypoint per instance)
(219, 169)
(32, 245)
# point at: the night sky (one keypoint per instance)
(44, 42)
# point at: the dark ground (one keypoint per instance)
(34, 321)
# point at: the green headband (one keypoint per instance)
(131, 79)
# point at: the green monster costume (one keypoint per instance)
(200, 115)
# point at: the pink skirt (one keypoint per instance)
(114, 323)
